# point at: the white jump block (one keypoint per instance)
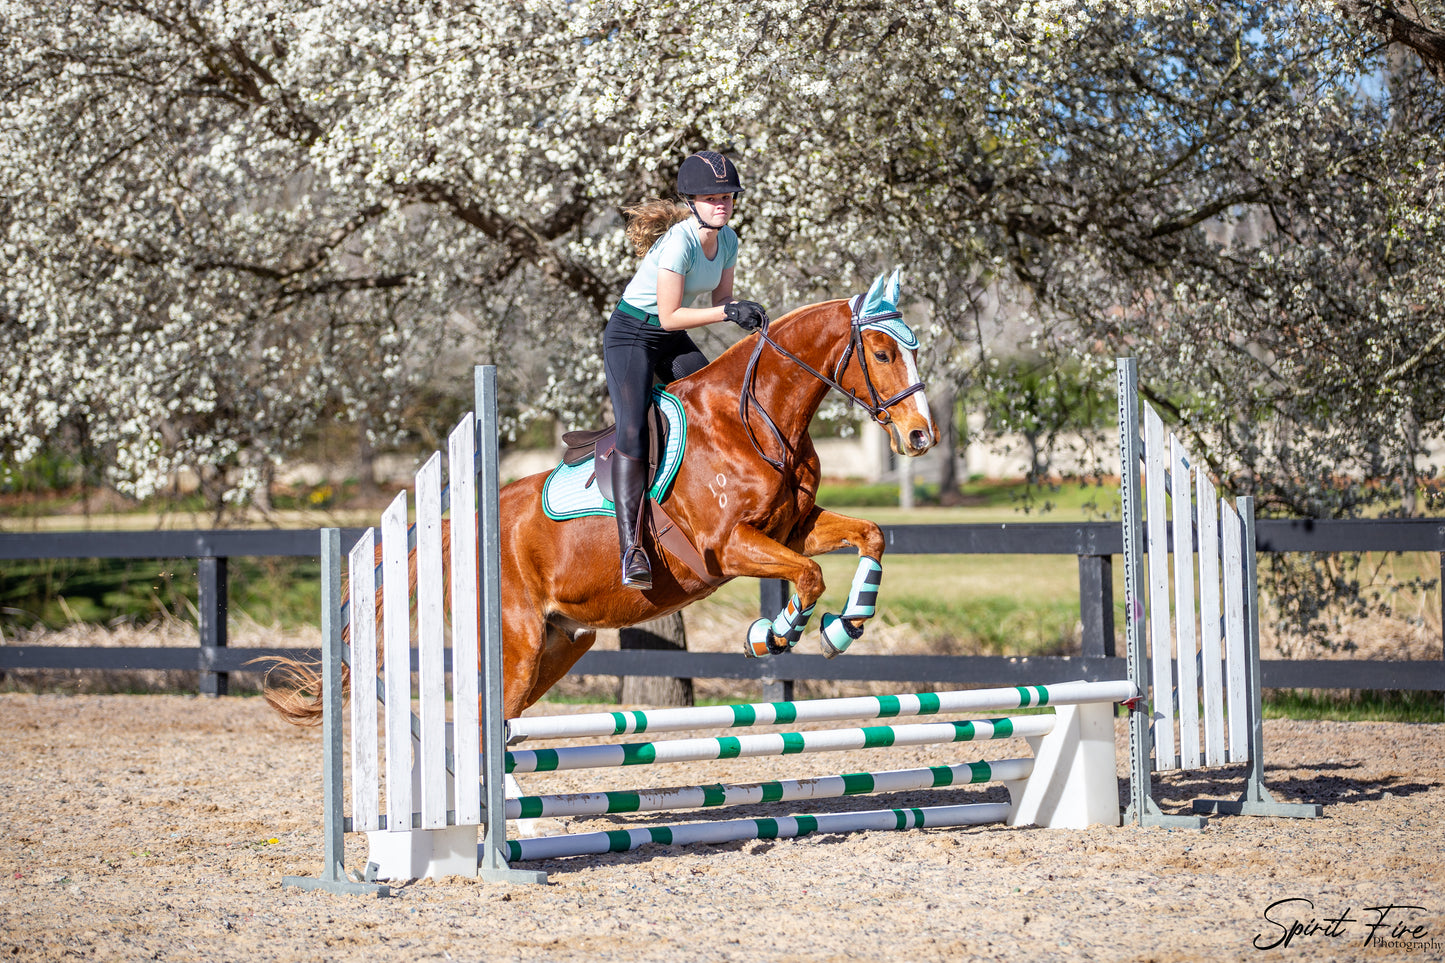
(405, 854)
(1073, 784)
(423, 853)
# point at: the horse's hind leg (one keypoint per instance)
(565, 643)
(561, 648)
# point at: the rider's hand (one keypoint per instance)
(748, 315)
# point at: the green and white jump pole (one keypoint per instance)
(737, 830)
(780, 790)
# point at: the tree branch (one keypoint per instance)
(525, 239)
(1403, 23)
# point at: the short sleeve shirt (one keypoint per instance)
(680, 250)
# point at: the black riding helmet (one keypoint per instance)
(706, 172)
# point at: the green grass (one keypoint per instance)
(57, 592)
(1355, 706)
(982, 499)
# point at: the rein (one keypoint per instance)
(877, 410)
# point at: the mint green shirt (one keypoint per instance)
(680, 250)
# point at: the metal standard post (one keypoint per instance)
(1143, 810)
(492, 858)
(333, 877)
(212, 601)
(1256, 800)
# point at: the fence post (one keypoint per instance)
(1096, 605)
(772, 597)
(211, 599)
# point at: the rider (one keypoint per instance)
(687, 252)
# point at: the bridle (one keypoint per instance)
(876, 406)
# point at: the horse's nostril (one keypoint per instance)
(918, 439)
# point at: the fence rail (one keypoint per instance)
(1093, 544)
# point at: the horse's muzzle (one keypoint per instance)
(920, 441)
(913, 442)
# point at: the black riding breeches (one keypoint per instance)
(632, 352)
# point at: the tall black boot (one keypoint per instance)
(629, 479)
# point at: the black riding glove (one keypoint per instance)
(748, 315)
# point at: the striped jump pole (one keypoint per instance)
(603, 724)
(782, 790)
(735, 830)
(775, 744)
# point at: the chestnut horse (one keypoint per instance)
(744, 495)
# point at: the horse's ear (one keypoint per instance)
(873, 301)
(893, 288)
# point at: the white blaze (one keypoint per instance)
(919, 397)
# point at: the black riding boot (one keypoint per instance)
(629, 478)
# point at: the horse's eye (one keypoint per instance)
(881, 356)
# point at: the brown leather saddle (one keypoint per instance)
(599, 443)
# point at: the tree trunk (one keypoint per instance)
(668, 633)
(946, 416)
(365, 460)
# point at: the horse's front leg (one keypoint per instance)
(748, 552)
(823, 531)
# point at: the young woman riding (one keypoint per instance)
(687, 253)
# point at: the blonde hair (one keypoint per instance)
(648, 221)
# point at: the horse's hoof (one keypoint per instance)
(838, 634)
(762, 642)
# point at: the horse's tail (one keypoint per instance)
(293, 686)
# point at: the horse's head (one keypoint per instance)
(880, 369)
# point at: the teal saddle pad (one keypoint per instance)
(571, 491)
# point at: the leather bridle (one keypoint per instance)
(876, 406)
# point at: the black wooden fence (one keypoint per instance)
(1094, 544)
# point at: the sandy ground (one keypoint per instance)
(159, 827)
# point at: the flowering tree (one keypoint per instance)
(1415, 24)
(225, 222)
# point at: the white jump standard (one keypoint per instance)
(1220, 635)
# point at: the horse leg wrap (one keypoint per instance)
(761, 641)
(838, 634)
(790, 622)
(839, 630)
(782, 633)
(863, 598)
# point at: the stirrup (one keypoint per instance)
(636, 569)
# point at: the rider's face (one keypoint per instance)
(714, 209)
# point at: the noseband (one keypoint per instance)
(876, 406)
